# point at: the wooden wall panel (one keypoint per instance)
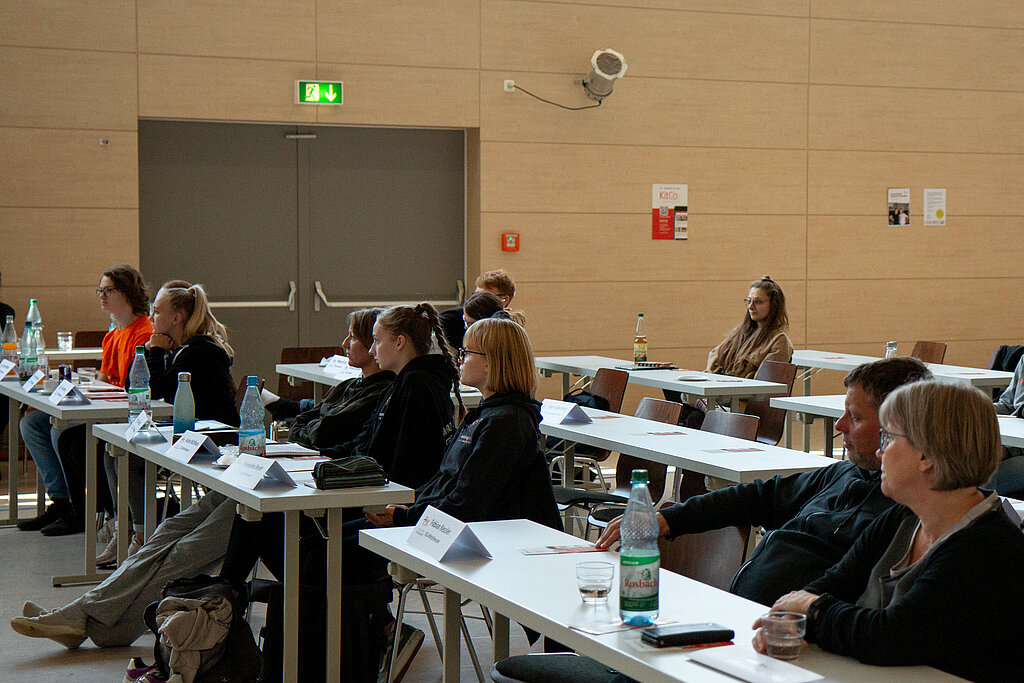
(923, 56)
(939, 309)
(560, 247)
(528, 36)
(226, 89)
(68, 168)
(269, 29)
(854, 183)
(67, 89)
(79, 25)
(991, 13)
(915, 119)
(76, 239)
(64, 308)
(796, 8)
(687, 314)
(868, 248)
(674, 112)
(577, 178)
(407, 33)
(403, 96)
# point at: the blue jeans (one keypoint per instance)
(40, 438)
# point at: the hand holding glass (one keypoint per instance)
(594, 579)
(784, 634)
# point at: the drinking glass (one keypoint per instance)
(784, 634)
(594, 579)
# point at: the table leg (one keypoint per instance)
(124, 525)
(186, 493)
(452, 643)
(334, 594)
(40, 494)
(318, 393)
(734, 404)
(290, 658)
(566, 383)
(807, 383)
(91, 575)
(806, 427)
(830, 428)
(12, 461)
(149, 522)
(568, 479)
(500, 637)
(789, 429)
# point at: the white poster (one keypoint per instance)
(934, 206)
(899, 206)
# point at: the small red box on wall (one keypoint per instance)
(510, 241)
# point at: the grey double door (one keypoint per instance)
(290, 227)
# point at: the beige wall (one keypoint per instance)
(787, 118)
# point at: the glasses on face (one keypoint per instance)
(460, 355)
(885, 438)
(105, 291)
(756, 302)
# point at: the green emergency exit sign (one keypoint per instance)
(318, 92)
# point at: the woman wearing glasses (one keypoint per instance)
(941, 587)
(122, 296)
(763, 334)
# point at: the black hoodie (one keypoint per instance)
(411, 425)
(210, 367)
(493, 469)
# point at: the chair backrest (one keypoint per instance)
(731, 424)
(302, 354)
(773, 420)
(659, 411)
(610, 384)
(88, 339)
(712, 557)
(929, 351)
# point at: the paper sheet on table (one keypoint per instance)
(747, 665)
(560, 549)
(279, 450)
(612, 623)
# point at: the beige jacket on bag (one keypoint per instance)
(748, 359)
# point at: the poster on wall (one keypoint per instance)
(934, 206)
(669, 211)
(899, 206)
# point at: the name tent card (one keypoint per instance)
(248, 471)
(61, 392)
(137, 425)
(5, 367)
(562, 412)
(33, 380)
(337, 366)
(191, 446)
(439, 535)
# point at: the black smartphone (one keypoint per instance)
(675, 635)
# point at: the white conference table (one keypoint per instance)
(273, 497)
(314, 372)
(830, 408)
(814, 361)
(539, 592)
(62, 416)
(707, 385)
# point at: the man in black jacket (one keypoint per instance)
(811, 518)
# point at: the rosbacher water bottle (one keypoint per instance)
(252, 438)
(27, 353)
(638, 556)
(184, 406)
(138, 386)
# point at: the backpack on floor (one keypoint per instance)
(235, 659)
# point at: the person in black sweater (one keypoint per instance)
(940, 588)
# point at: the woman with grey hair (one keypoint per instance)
(940, 588)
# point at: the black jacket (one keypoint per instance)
(813, 518)
(210, 366)
(493, 469)
(961, 614)
(342, 413)
(410, 427)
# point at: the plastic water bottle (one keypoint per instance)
(26, 353)
(34, 316)
(639, 558)
(138, 386)
(252, 437)
(10, 341)
(42, 363)
(184, 406)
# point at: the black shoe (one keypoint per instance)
(67, 524)
(54, 511)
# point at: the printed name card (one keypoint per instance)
(136, 426)
(562, 412)
(5, 367)
(440, 535)
(61, 392)
(33, 380)
(192, 446)
(248, 471)
(337, 366)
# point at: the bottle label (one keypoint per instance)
(138, 400)
(252, 441)
(639, 352)
(639, 583)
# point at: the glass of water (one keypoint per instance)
(65, 341)
(784, 634)
(594, 579)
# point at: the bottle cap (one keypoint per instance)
(639, 315)
(140, 349)
(184, 376)
(32, 301)
(252, 381)
(638, 477)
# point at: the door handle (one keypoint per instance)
(289, 303)
(321, 298)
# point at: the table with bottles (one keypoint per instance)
(540, 592)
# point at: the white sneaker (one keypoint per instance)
(109, 554)
(32, 609)
(53, 625)
(134, 546)
(105, 532)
